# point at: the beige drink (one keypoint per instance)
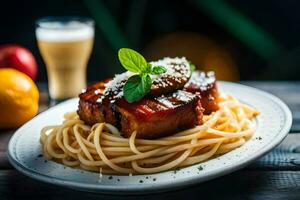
(65, 50)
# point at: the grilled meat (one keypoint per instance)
(204, 84)
(160, 116)
(152, 116)
(177, 75)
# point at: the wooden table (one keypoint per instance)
(275, 176)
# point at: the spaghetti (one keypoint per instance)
(101, 148)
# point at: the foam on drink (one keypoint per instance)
(64, 32)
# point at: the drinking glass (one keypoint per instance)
(65, 44)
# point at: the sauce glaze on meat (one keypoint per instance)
(156, 115)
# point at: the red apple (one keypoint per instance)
(19, 58)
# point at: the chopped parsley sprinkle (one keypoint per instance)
(200, 168)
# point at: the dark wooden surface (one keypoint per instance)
(274, 176)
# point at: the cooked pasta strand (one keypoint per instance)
(102, 149)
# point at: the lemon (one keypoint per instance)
(19, 98)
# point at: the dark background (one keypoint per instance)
(240, 40)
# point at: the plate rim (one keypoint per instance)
(157, 187)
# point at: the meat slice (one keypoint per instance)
(91, 110)
(151, 117)
(160, 116)
(177, 75)
(204, 84)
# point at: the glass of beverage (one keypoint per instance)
(65, 44)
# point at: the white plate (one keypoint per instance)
(274, 123)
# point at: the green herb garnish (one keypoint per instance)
(138, 85)
(192, 67)
(200, 168)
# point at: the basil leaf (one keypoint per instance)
(147, 82)
(149, 68)
(158, 70)
(132, 60)
(192, 66)
(136, 87)
(131, 89)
